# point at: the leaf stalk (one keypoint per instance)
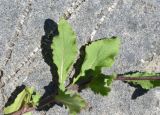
(122, 78)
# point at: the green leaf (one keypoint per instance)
(100, 84)
(35, 99)
(99, 54)
(26, 97)
(97, 82)
(16, 104)
(29, 92)
(72, 101)
(64, 50)
(145, 84)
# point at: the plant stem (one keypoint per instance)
(122, 78)
(43, 103)
(46, 101)
(23, 110)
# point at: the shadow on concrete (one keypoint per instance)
(139, 91)
(14, 94)
(78, 64)
(51, 30)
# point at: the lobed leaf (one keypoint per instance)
(99, 54)
(146, 84)
(100, 84)
(64, 50)
(72, 101)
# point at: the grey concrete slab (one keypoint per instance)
(136, 22)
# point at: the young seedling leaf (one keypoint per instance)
(145, 84)
(72, 101)
(64, 50)
(16, 104)
(26, 97)
(35, 99)
(99, 54)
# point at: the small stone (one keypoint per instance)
(142, 61)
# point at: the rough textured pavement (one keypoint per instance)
(136, 22)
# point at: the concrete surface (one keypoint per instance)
(136, 22)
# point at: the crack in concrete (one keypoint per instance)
(70, 10)
(103, 16)
(22, 64)
(74, 6)
(18, 30)
(12, 77)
